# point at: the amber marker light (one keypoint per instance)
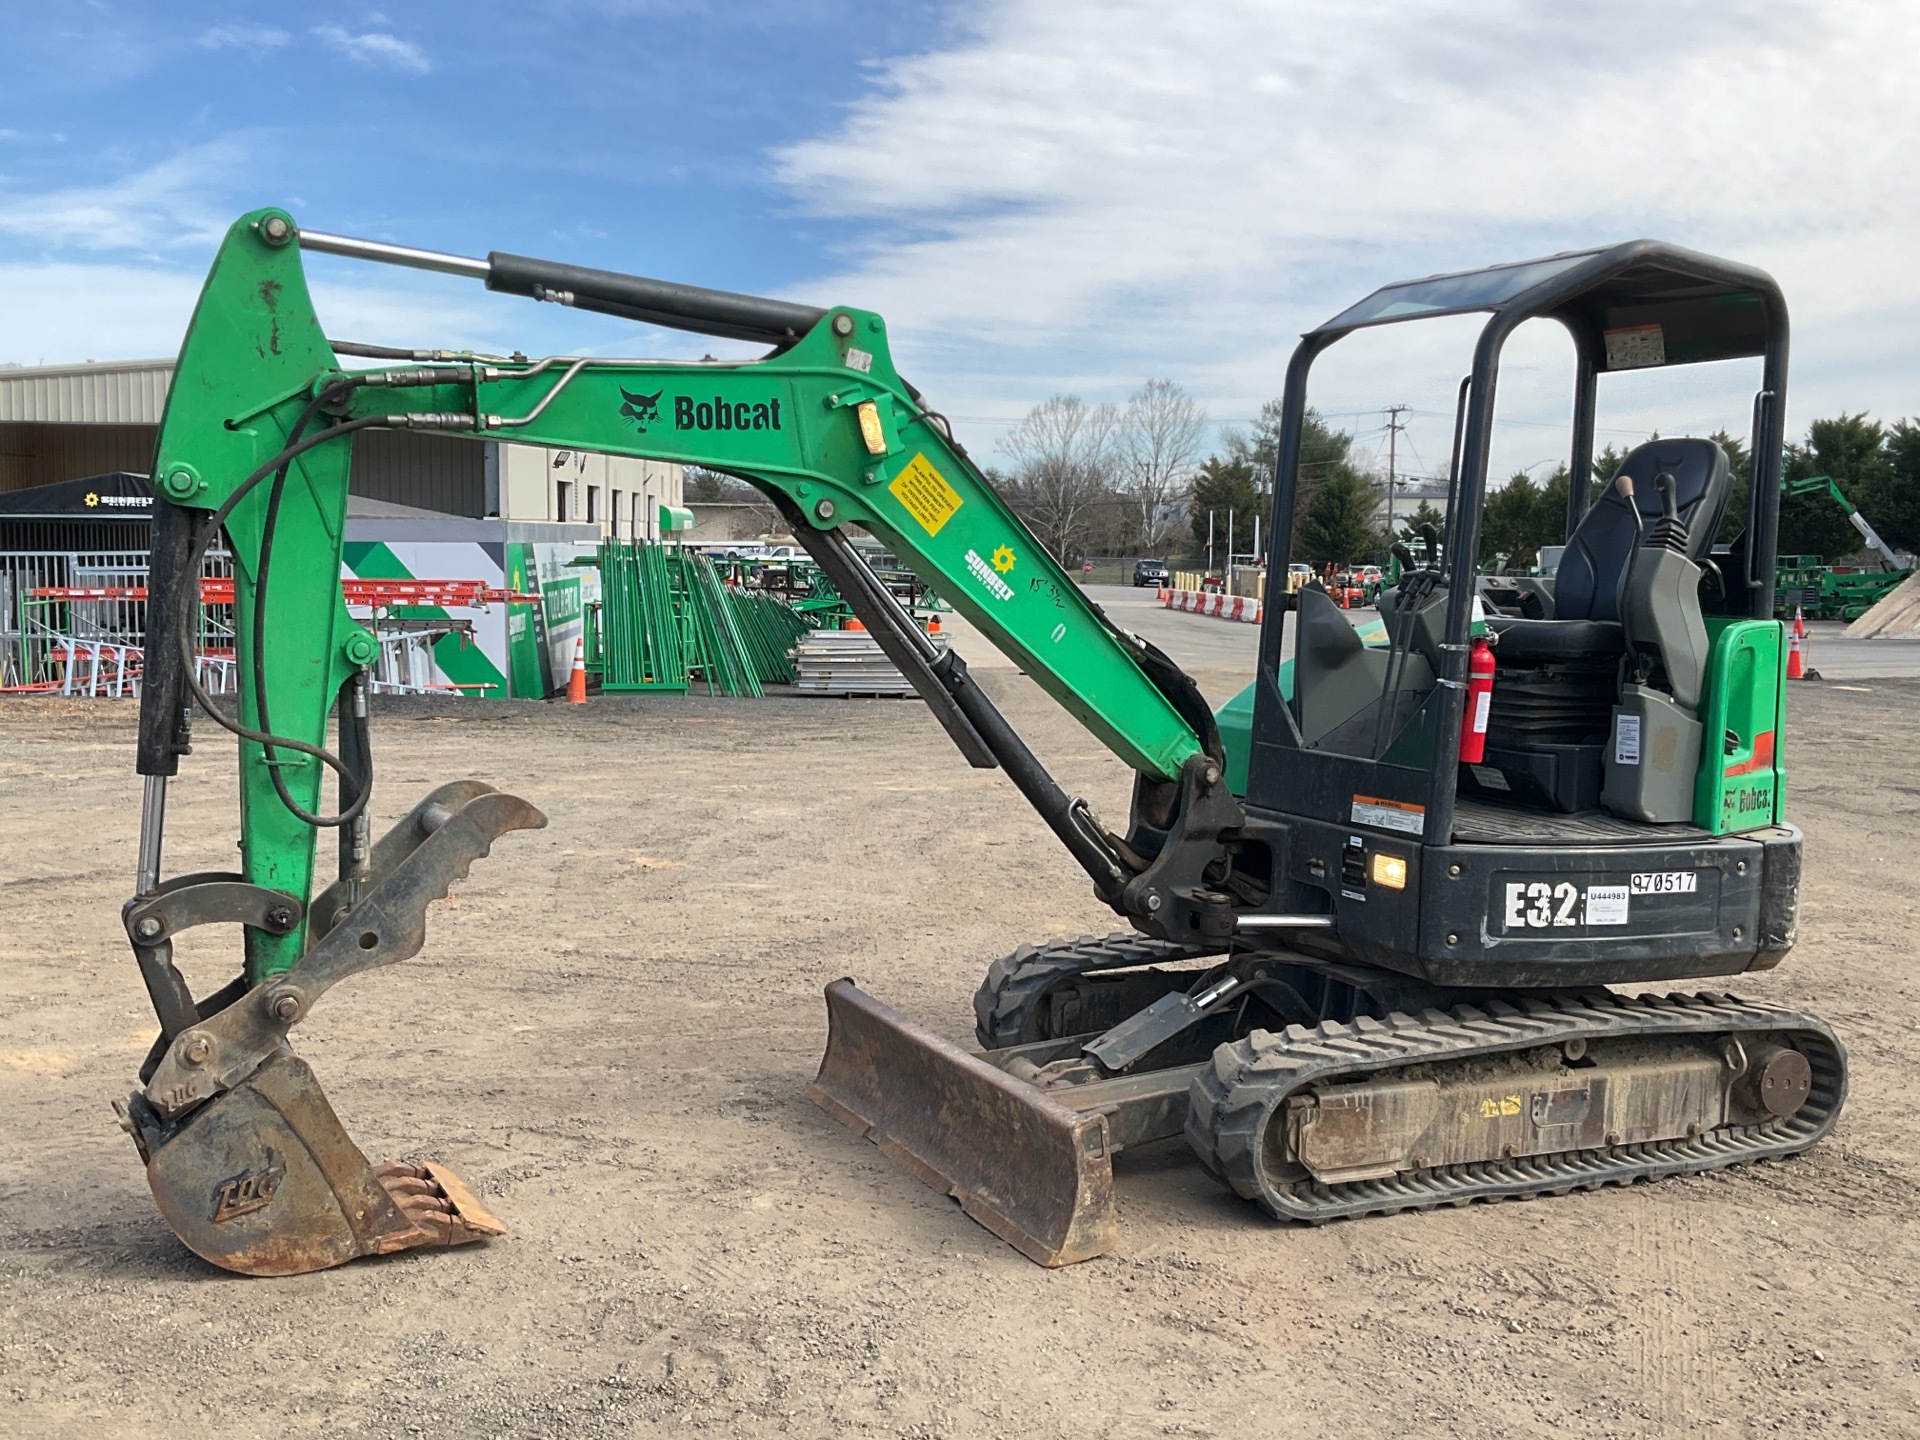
(1389, 870)
(870, 430)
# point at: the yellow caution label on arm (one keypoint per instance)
(926, 494)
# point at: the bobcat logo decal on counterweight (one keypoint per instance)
(643, 410)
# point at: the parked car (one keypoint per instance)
(1150, 572)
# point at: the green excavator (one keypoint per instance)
(1375, 903)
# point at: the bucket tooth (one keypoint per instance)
(1034, 1172)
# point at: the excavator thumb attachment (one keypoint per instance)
(246, 1159)
(1035, 1173)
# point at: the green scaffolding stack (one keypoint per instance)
(716, 651)
(668, 619)
(640, 647)
(770, 627)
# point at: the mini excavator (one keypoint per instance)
(1375, 906)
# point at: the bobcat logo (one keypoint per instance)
(643, 410)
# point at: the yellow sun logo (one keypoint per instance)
(1003, 559)
(93, 498)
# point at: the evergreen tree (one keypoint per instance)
(1226, 486)
(1337, 528)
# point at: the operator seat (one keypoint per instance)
(1586, 611)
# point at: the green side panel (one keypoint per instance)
(1235, 719)
(1742, 783)
(526, 680)
(247, 364)
(466, 665)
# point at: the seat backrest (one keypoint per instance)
(1594, 568)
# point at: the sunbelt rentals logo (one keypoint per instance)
(988, 576)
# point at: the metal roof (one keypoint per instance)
(116, 392)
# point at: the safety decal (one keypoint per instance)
(926, 494)
(1632, 347)
(1398, 815)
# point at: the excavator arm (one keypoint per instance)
(245, 1157)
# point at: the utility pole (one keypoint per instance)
(1394, 427)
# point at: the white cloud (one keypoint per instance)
(168, 204)
(377, 50)
(1081, 193)
(65, 312)
(253, 39)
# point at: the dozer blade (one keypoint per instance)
(1035, 1173)
(264, 1181)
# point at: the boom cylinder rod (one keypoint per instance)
(384, 254)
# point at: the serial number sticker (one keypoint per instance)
(1607, 905)
(1398, 815)
(925, 493)
(1665, 882)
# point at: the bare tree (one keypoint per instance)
(1063, 456)
(1160, 438)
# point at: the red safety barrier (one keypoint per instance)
(1226, 607)
(382, 594)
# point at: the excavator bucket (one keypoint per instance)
(264, 1181)
(1035, 1173)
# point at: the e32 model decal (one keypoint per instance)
(1545, 905)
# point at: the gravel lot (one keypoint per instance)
(609, 1034)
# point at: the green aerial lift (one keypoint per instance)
(1823, 592)
(1362, 975)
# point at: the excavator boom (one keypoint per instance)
(245, 1157)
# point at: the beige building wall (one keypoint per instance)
(620, 494)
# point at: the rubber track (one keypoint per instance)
(1017, 983)
(1232, 1099)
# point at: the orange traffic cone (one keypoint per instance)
(933, 625)
(856, 625)
(577, 681)
(1796, 663)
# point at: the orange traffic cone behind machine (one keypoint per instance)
(577, 681)
(1797, 647)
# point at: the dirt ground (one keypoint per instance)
(609, 1035)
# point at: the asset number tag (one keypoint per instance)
(1543, 905)
(1665, 882)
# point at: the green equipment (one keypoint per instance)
(1363, 974)
(1827, 592)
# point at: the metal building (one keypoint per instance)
(67, 422)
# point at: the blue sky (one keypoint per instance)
(1042, 195)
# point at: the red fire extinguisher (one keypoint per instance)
(1473, 733)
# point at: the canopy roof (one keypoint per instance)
(1650, 302)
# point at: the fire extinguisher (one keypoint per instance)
(1473, 732)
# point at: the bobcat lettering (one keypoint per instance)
(718, 414)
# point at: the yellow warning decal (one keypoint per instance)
(926, 494)
(1494, 1109)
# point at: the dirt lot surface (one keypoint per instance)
(609, 1035)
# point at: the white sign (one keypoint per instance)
(1607, 905)
(1665, 882)
(1626, 740)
